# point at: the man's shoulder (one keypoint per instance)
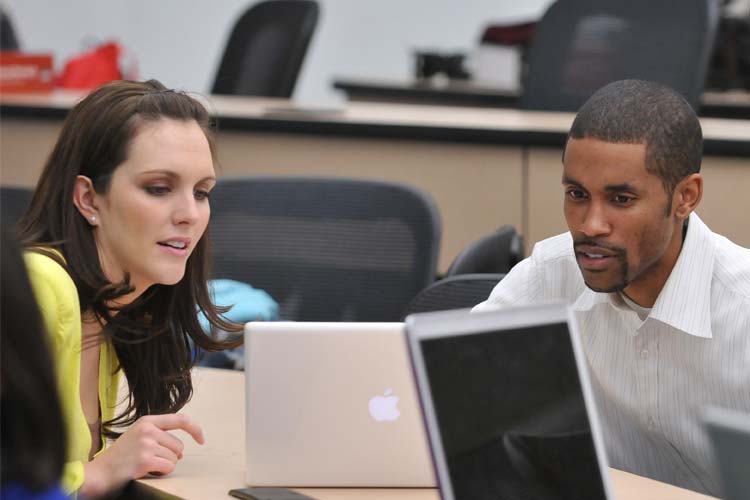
(732, 266)
(555, 250)
(550, 272)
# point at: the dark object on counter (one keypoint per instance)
(429, 64)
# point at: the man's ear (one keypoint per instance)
(84, 198)
(687, 195)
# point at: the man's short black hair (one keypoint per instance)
(638, 112)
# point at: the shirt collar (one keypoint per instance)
(685, 301)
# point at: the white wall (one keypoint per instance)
(180, 41)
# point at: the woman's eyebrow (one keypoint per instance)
(174, 175)
(168, 173)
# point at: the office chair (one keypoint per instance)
(266, 48)
(581, 45)
(326, 249)
(8, 38)
(454, 292)
(14, 200)
(495, 253)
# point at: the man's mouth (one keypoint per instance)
(596, 258)
(594, 255)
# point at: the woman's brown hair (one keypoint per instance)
(152, 335)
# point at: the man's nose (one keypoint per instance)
(595, 222)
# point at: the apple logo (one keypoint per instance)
(383, 408)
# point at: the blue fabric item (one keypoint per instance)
(248, 303)
(15, 491)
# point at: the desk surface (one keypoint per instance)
(393, 121)
(207, 472)
(729, 104)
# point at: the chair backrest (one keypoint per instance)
(454, 292)
(326, 249)
(14, 200)
(266, 48)
(581, 45)
(8, 38)
(495, 253)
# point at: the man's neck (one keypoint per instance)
(646, 289)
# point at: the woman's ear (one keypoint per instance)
(84, 198)
(688, 195)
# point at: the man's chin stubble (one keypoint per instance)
(615, 288)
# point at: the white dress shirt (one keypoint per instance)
(653, 378)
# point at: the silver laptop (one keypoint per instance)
(332, 405)
(508, 404)
(729, 432)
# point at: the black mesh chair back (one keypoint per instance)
(581, 45)
(14, 200)
(8, 38)
(454, 292)
(495, 253)
(326, 249)
(266, 48)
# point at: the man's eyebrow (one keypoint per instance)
(625, 186)
(570, 180)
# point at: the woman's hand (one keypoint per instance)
(145, 448)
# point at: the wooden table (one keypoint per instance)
(483, 167)
(207, 472)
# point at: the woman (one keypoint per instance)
(117, 255)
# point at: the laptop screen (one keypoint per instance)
(511, 414)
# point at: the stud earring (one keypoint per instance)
(93, 218)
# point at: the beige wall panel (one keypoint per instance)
(24, 147)
(545, 195)
(725, 206)
(477, 187)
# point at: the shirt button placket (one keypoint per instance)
(650, 373)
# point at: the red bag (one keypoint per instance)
(93, 68)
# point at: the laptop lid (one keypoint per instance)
(332, 405)
(729, 432)
(508, 405)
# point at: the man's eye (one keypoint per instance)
(157, 190)
(622, 199)
(576, 194)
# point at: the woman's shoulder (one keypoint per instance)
(55, 292)
(44, 269)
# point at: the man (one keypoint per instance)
(663, 303)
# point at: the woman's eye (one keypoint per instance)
(202, 195)
(157, 190)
